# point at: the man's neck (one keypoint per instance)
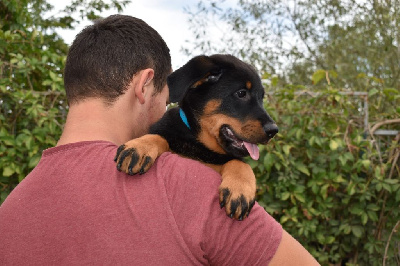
(92, 120)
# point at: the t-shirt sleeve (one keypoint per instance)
(253, 241)
(192, 191)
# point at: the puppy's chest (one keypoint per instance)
(183, 138)
(189, 146)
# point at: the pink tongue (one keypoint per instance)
(252, 149)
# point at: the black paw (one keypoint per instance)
(238, 208)
(129, 161)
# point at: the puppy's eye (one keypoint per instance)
(242, 94)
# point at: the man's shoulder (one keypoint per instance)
(187, 180)
(171, 157)
(177, 164)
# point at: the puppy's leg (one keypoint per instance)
(138, 155)
(238, 189)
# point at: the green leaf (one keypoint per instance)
(387, 187)
(372, 215)
(372, 92)
(364, 218)
(339, 179)
(14, 61)
(345, 228)
(351, 188)
(302, 168)
(284, 219)
(269, 160)
(300, 197)
(286, 149)
(342, 160)
(34, 161)
(333, 145)
(324, 191)
(274, 81)
(299, 133)
(29, 142)
(253, 164)
(333, 74)
(357, 230)
(366, 163)
(21, 138)
(8, 171)
(8, 140)
(329, 239)
(318, 75)
(391, 181)
(378, 173)
(311, 140)
(373, 207)
(320, 237)
(285, 195)
(356, 210)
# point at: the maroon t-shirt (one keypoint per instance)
(75, 208)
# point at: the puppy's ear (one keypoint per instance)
(201, 69)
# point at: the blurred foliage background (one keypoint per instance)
(33, 104)
(332, 75)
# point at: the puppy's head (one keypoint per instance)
(223, 99)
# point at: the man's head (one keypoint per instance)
(105, 56)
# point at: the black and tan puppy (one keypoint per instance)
(220, 119)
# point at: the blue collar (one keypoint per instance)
(183, 117)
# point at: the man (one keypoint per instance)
(75, 208)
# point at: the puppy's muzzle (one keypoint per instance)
(271, 130)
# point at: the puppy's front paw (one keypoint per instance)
(131, 159)
(238, 201)
(138, 155)
(237, 190)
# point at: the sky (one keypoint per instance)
(167, 17)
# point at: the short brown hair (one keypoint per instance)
(104, 57)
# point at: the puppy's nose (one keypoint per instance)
(271, 130)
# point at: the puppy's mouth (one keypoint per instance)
(236, 146)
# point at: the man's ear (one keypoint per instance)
(142, 88)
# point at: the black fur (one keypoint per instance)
(182, 140)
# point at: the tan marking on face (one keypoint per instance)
(253, 131)
(210, 125)
(211, 122)
(248, 85)
(211, 107)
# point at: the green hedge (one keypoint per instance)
(332, 185)
(32, 102)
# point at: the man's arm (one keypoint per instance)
(291, 252)
(192, 191)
